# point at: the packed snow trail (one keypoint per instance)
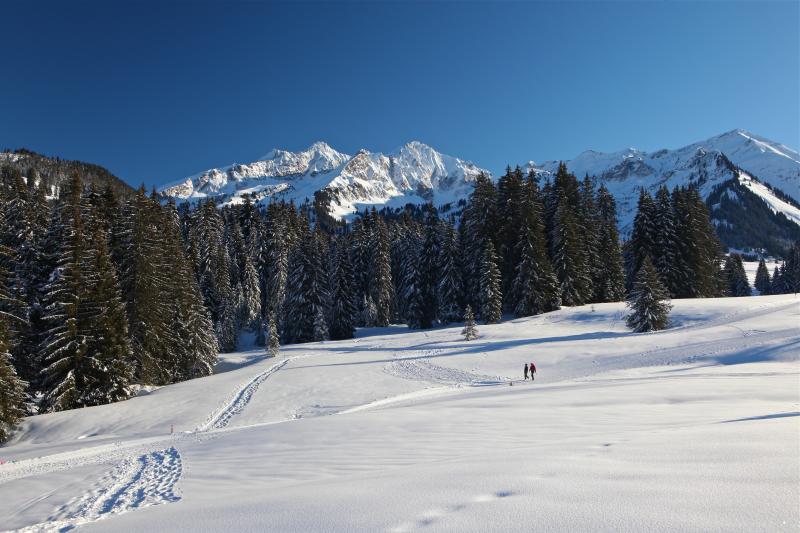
(135, 483)
(144, 476)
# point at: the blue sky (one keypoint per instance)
(156, 92)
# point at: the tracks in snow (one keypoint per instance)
(135, 483)
(146, 474)
(419, 368)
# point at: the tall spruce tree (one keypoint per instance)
(12, 388)
(343, 313)
(491, 297)
(449, 290)
(568, 261)
(609, 277)
(643, 237)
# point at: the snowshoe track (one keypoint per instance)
(135, 483)
(421, 369)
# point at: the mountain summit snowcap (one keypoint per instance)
(412, 173)
(416, 173)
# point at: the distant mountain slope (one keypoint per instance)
(761, 175)
(53, 171)
(413, 173)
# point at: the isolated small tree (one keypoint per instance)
(273, 340)
(649, 300)
(470, 330)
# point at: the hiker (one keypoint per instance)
(533, 370)
(526, 371)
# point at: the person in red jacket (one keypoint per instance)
(532, 369)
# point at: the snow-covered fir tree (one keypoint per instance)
(648, 301)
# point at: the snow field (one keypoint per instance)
(694, 428)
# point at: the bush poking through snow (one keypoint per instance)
(649, 301)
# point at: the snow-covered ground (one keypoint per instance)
(695, 428)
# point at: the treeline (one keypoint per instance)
(96, 295)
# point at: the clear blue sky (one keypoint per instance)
(156, 92)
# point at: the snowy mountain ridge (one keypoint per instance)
(417, 173)
(413, 172)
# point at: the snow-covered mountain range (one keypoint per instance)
(414, 173)
(741, 162)
(760, 165)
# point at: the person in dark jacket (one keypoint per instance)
(533, 370)
(526, 371)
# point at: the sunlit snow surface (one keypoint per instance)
(692, 429)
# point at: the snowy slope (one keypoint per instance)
(413, 173)
(736, 154)
(687, 429)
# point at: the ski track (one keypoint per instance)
(146, 472)
(240, 399)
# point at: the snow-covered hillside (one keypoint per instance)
(413, 173)
(692, 428)
(706, 164)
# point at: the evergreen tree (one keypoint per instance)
(762, 282)
(777, 286)
(535, 288)
(643, 237)
(380, 273)
(478, 226)
(510, 213)
(609, 278)
(12, 389)
(791, 274)
(589, 223)
(428, 261)
(344, 308)
(568, 261)
(273, 340)
(736, 277)
(648, 300)
(665, 250)
(491, 299)
(449, 290)
(470, 331)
